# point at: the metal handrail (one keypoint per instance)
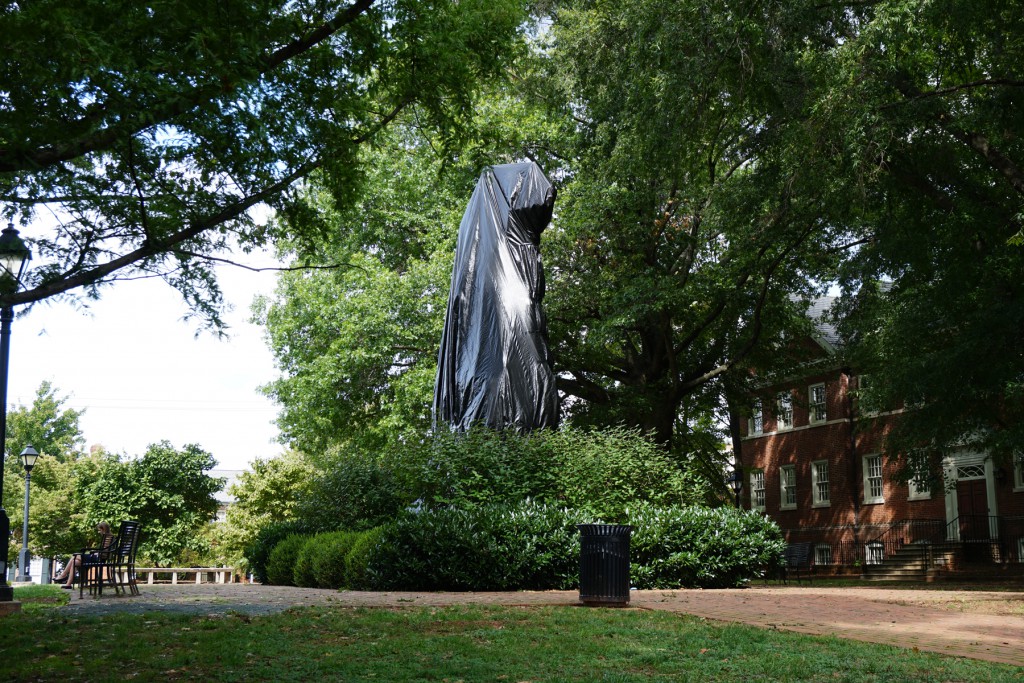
(908, 531)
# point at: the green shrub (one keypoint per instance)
(357, 562)
(302, 574)
(700, 547)
(352, 491)
(281, 564)
(257, 553)
(328, 558)
(603, 471)
(523, 546)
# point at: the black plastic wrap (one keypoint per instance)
(494, 367)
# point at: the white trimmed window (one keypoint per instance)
(823, 554)
(873, 492)
(784, 411)
(816, 410)
(919, 487)
(1018, 472)
(755, 425)
(757, 489)
(874, 553)
(819, 483)
(787, 487)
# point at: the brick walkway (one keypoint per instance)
(947, 622)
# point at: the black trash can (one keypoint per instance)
(604, 563)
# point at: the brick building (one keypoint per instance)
(814, 463)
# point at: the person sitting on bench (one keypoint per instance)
(74, 563)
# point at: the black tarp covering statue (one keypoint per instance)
(494, 366)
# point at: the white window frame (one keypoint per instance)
(919, 488)
(755, 424)
(1018, 471)
(819, 467)
(823, 554)
(874, 553)
(787, 480)
(757, 490)
(870, 475)
(817, 411)
(784, 411)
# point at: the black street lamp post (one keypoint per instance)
(28, 459)
(14, 256)
(735, 481)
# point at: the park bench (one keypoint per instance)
(798, 561)
(112, 565)
(202, 574)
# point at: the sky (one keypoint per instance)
(141, 374)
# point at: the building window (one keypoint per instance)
(1020, 549)
(755, 425)
(920, 489)
(1018, 472)
(784, 411)
(757, 489)
(787, 487)
(816, 404)
(823, 554)
(819, 483)
(874, 553)
(873, 479)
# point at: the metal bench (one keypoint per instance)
(799, 561)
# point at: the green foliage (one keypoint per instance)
(153, 130)
(54, 431)
(303, 574)
(353, 490)
(700, 547)
(357, 562)
(602, 471)
(531, 546)
(524, 546)
(282, 560)
(329, 558)
(266, 493)
(257, 554)
(167, 490)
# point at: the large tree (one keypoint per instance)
(145, 133)
(53, 430)
(689, 215)
(166, 489)
(928, 99)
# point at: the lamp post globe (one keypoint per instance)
(28, 460)
(14, 257)
(735, 481)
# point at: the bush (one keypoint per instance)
(269, 536)
(525, 546)
(281, 564)
(302, 574)
(352, 491)
(700, 547)
(357, 562)
(328, 558)
(603, 471)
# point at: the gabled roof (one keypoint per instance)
(825, 332)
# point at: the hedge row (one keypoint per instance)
(528, 546)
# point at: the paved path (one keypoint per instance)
(947, 622)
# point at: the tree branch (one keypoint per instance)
(173, 106)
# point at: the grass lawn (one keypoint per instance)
(450, 644)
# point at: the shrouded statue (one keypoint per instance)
(494, 366)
